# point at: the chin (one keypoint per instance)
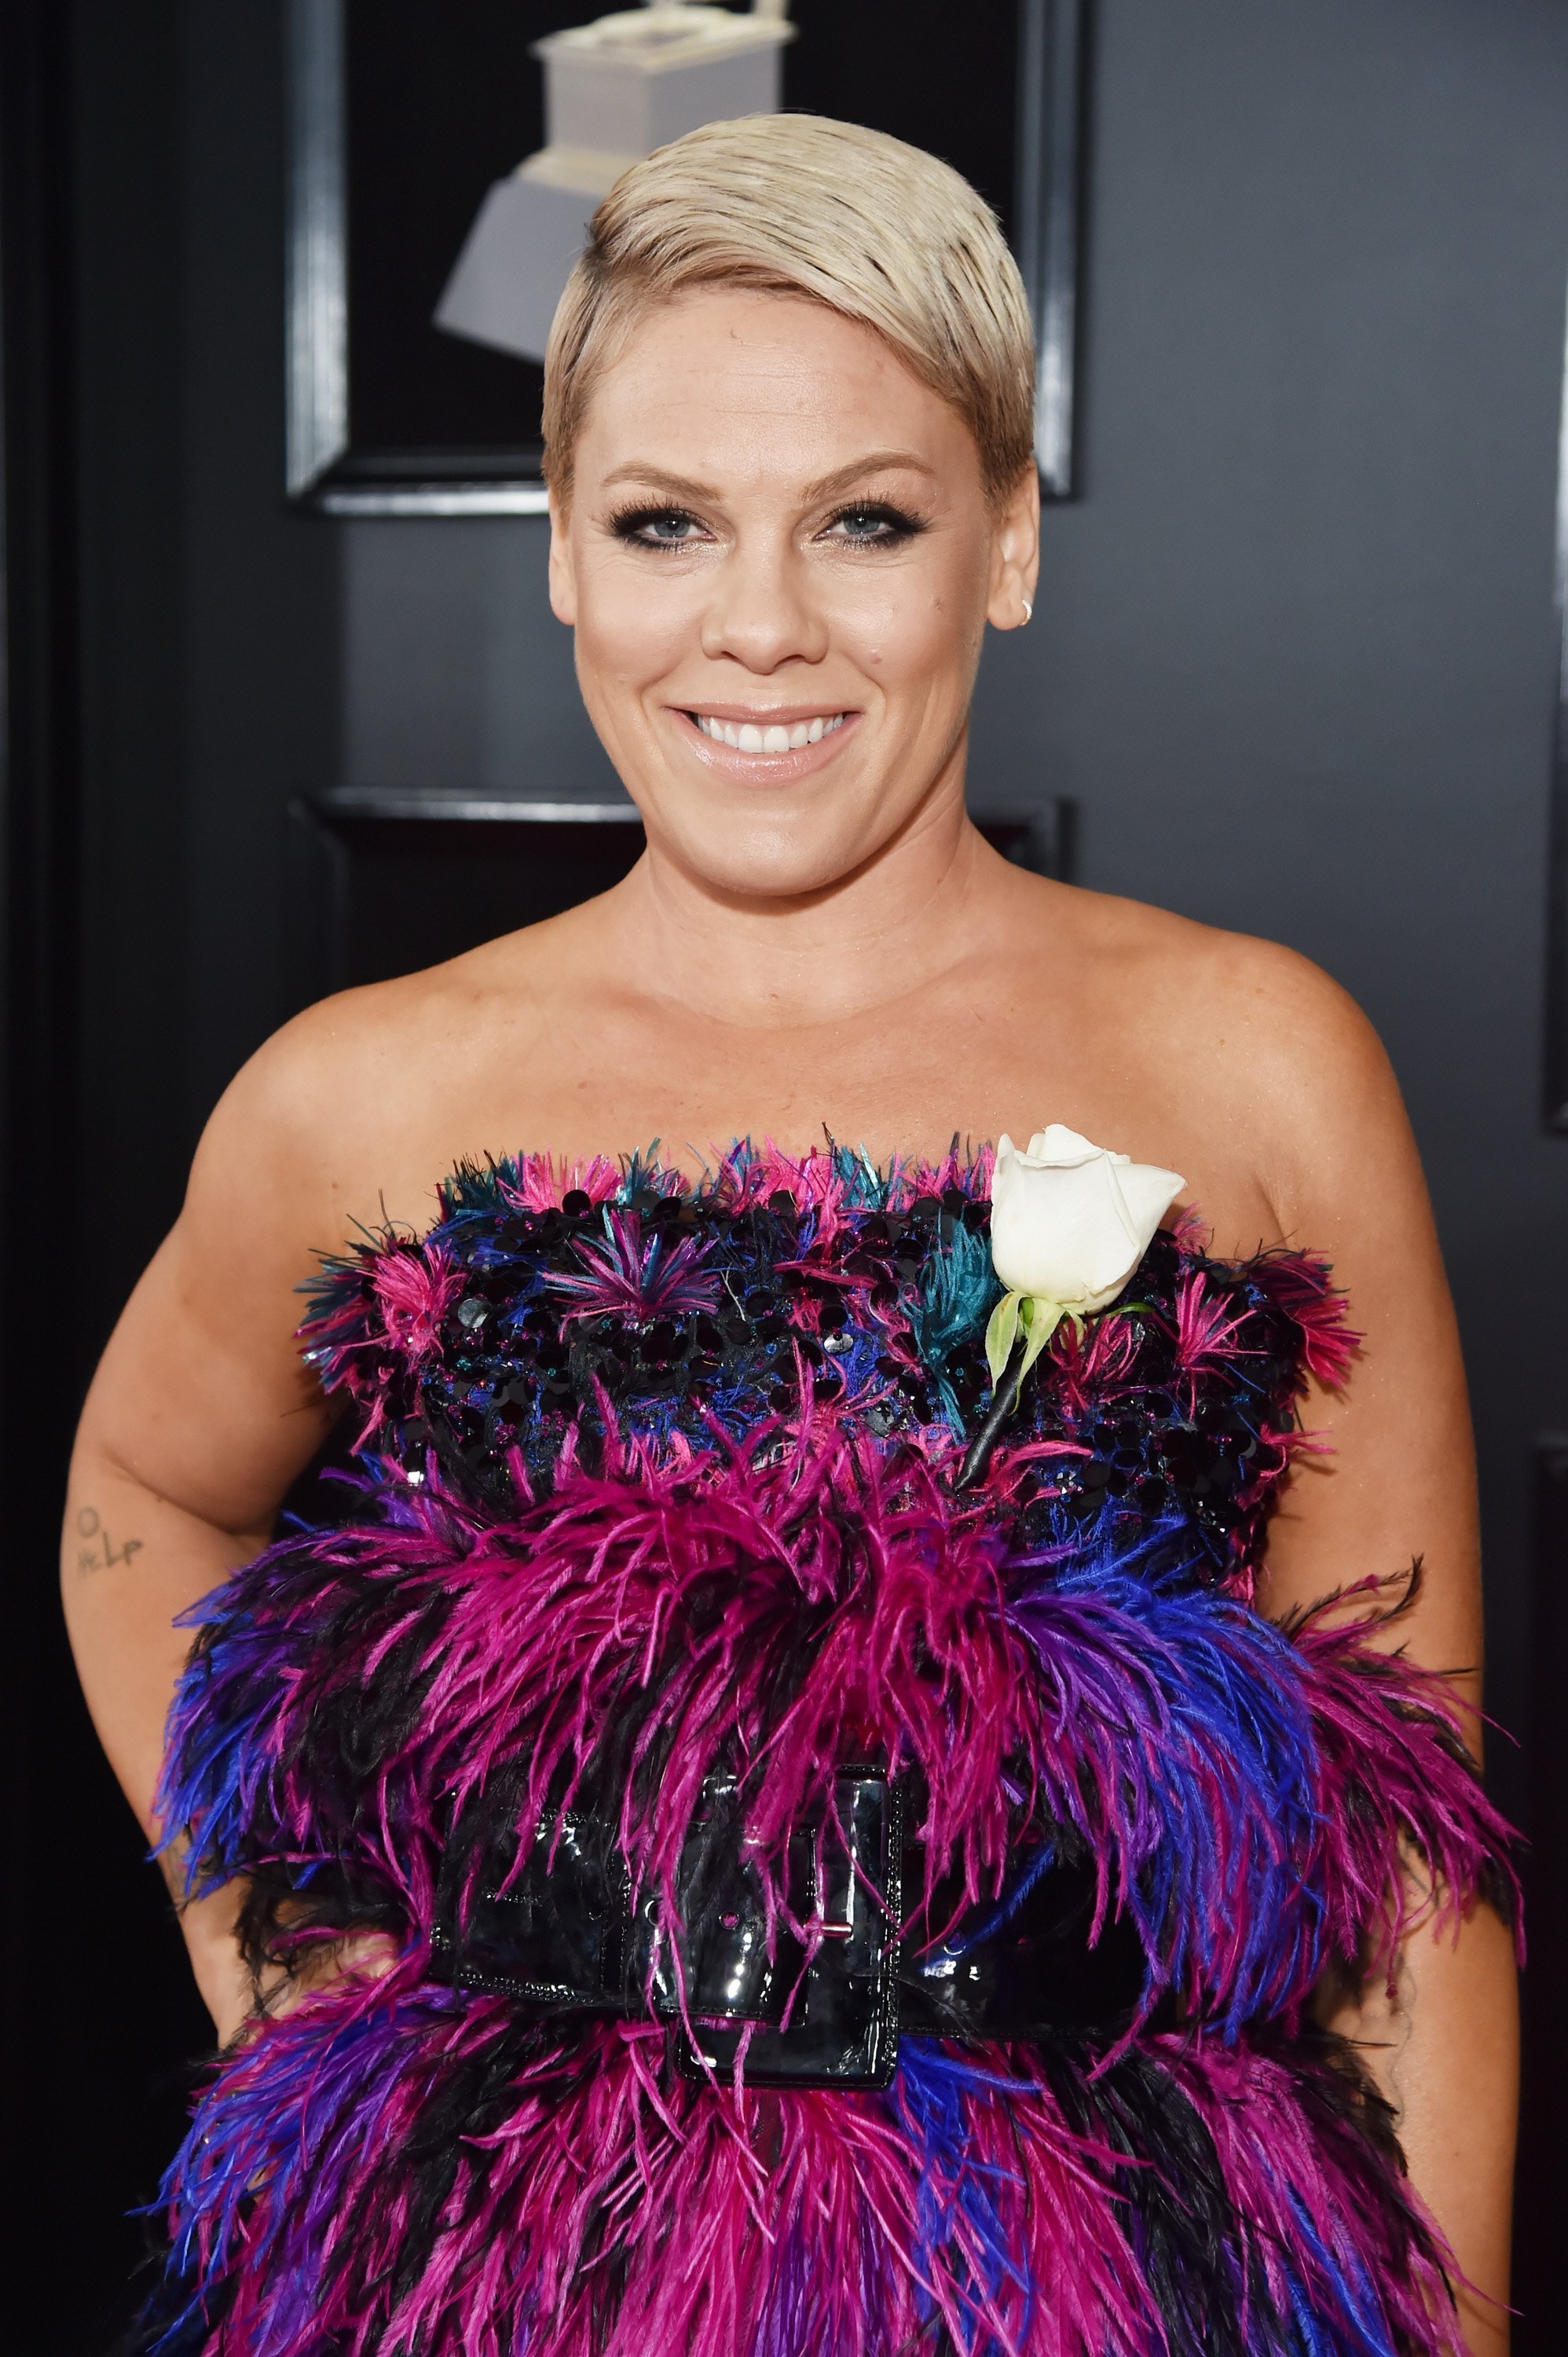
(744, 859)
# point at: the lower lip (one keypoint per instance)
(766, 768)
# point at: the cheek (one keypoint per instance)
(630, 630)
(915, 632)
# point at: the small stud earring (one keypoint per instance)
(1028, 611)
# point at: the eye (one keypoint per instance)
(872, 523)
(657, 527)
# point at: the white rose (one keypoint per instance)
(1069, 1222)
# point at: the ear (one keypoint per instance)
(1015, 553)
(563, 571)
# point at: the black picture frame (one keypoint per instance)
(1555, 1104)
(358, 110)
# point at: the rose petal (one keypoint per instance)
(1070, 1221)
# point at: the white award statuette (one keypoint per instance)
(613, 91)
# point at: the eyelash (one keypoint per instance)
(629, 524)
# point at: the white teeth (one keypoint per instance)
(748, 738)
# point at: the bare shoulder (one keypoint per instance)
(1275, 1052)
(342, 1109)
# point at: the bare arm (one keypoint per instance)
(200, 1417)
(1399, 1482)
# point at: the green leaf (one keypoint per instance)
(1041, 1320)
(1000, 1335)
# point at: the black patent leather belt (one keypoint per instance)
(566, 1933)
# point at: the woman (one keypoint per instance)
(813, 1803)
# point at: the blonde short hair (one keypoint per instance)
(796, 204)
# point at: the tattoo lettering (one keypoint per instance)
(96, 1550)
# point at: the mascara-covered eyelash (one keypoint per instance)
(903, 526)
(627, 522)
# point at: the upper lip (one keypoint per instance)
(781, 715)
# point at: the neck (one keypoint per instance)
(881, 932)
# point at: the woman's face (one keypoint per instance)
(779, 562)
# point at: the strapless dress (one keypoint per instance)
(851, 1892)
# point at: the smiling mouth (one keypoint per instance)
(748, 736)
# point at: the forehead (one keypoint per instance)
(772, 382)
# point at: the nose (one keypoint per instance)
(761, 611)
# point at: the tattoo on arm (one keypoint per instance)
(96, 1550)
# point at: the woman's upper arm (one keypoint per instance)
(1394, 1479)
(202, 1395)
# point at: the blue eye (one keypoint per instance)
(873, 524)
(656, 527)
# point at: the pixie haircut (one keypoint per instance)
(796, 204)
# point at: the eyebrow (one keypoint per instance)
(843, 479)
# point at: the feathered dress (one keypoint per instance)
(839, 1912)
